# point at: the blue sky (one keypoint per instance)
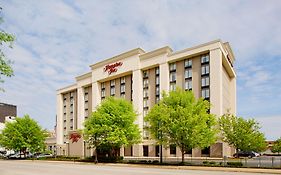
(58, 40)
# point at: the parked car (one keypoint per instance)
(248, 154)
(43, 155)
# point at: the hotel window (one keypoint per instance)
(145, 136)
(157, 90)
(205, 70)
(157, 80)
(71, 94)
(172, 86)
(122, 80)
(205, 81)
(173, 76)
(103, 85)
(112, 83)
(145, 83)
(206, 93)
(173, 67)
(145, 93)
(157, 71)
(188, 73)
(122, 88)
(157, 99)
(122, 95)
(145, 103)
(188, 85)
(86, 105)
(86, 96)
(102, 93)
(145, 112)
(112, 90)
(145, 74)
(205, 59)
(86, 113)
(187, 63)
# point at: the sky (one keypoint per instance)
(57, 40)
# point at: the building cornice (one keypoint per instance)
(67, 88)
(83, 76)
(160, 51)
(136, 51)
(195, 47)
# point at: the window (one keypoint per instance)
(145, 103)
(122, 95)
(188, 73)
(122, 80)
(205, 151)
(188, 85)
(145, 83)
(145, 134)
(205, 81)
(187, 63)
(145, 93)
(205, 59)
(103, 93)
(173, 76)
(173, 149)
(86, 96)
(157, 90)
(173, 67)
(157, 71)
(122, 88)
(145, 150)
(172, 86)
(112, 83)
(157, 99)
(71, 94)
(205, 70)
(112, 91)
(145, 74)
(103, 85)
(86, 105)
(157, 80)
(145, 112)
(206, 93)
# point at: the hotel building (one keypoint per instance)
(140, 77)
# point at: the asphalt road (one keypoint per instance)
(16, 167)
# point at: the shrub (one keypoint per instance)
(235, 164)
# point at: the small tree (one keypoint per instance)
(182, 120)
(276, 148)
(112, 126)
(243, 134)
(5, 64)
(24, 134)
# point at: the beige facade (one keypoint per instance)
(140, 77)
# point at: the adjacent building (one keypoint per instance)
(7, 110)
(140, 77)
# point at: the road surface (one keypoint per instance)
(17, 167)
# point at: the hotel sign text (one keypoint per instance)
(111, 68)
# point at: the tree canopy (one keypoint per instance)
(243, 134)
(112, 126)
(181, 119)
(5, 64)
(276, 148)
(23, 134)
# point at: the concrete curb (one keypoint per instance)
(201, 168)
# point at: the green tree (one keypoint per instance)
(24, 134)
(243, 134)
(5, 64)
(112, 126)
(181, 119)
(276, 148)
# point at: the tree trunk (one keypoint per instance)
(96, 156)
(182, 154)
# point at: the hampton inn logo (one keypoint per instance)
(111, 68)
